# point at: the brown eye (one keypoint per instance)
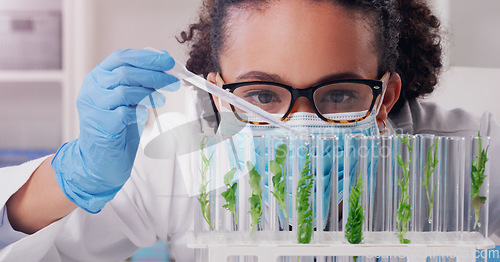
(270, 98)
(262, 97)
(337, 96)
(343, 97)
(265, 98)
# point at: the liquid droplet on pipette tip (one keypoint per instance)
(430, 221)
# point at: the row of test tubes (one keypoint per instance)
(431, 175)
(409, 189)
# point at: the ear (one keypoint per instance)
(390, 98)
(212, 78)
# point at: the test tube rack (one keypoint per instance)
(299, 225)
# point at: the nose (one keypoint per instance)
(302, 104)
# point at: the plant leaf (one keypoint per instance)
(228, 177)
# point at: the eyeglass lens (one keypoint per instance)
(329, 99)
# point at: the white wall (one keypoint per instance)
(30, 115)
(475, 33)
(139, 24)
(120, 24)
(471, 76)
(472, 88)
(471, 31)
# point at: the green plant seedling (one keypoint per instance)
(304, 207)
(354, 224)
(230, 194)
(203, 198)
(256, 198)
(429, 168)
(404, 208)
(477, 179)
(277, 167)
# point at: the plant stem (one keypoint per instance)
(277, 167)
(256, 198)
(404, 209)
(477, 179)
(203, 198)
(304, 208)
(354, 224)
(429, 168)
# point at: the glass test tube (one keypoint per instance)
(380, 217)
(359, 174)
(205, 181)
(228, 170)
(327, 188)
(449, 203)
(477, 186)
(252, 191)
(303, 188)
(439, 187)
(356, 158)
(371, 158)
(404, 178)
(426, 186)
(278, 191)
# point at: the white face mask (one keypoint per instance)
(303, 122)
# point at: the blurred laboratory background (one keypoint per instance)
(48, 46)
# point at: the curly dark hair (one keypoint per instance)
(407, 34)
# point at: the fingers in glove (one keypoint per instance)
(110, 123)
(110, 99)
(140, 58)
(131, 76)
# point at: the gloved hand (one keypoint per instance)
(93, 168)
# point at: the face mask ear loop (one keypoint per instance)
(384, 128)
(384, 88)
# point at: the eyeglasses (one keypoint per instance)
(330, 100)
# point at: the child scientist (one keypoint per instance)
(99, 198)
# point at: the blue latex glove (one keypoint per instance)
(111, 106)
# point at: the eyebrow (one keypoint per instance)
(262, 76)
(339, 76)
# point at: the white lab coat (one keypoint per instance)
(153, 205)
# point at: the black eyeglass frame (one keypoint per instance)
(377, 87)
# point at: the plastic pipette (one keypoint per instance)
(182, 73)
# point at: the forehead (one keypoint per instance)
(298, 40)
